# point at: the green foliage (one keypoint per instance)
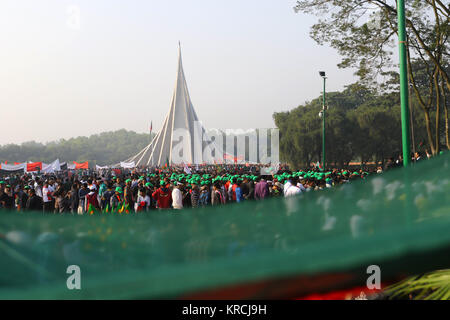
(360, 125)
(364, 32)
(431, 286)
(103, 149)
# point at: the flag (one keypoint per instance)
(167, 163)
(106, 210)
(151, 126)
(83, 165)
(186, 169)
(34, 166)
(92, 209)
(125, 208)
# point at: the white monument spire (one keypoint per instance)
(180, 130)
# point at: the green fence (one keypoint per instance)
(399, 220)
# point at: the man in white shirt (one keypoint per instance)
(38, 188)
(290, 188)
(177, 197)
(286, 186)
(47, 197)
(142, 202)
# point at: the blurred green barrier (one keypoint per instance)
(169, 254)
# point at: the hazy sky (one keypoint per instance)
(243, 60)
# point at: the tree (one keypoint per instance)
(104, 148)
(361, 124)
(365, 32)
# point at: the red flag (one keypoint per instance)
(83, 165)
(34, 166)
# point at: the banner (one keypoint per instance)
(97, 167)
(83, 165)
(13, 167)
(34, 166)
(127, 165)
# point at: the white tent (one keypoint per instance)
(52, 167)
(181, 138)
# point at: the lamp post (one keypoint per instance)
(324, 108)
(403, 83)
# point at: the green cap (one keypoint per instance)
(119, 189)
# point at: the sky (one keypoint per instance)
(81, 67)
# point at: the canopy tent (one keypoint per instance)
(53, 167)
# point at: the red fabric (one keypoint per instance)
(92, 200)
(163, 198)
(34, 166)
(83, 165)
(234, 191)
(347, 294)
(141, 206)
(227, 185)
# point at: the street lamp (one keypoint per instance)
(322, 115)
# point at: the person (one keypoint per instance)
(203, 199)
(128, 194)
(116, 199)
(38, 187)
(47, 197)
(142, 201)
(34, 202)
(261, 189)
(91, 199)
(163, 196)
(195, 195)
(291, 187)
(62, 202)
(73, 197)
(275, 191)
(7, 199)
(238, 192)
(22, 197)
(177, 197)
(216, 195)
(398, 162)
(418, 156)
(106, 197)
(82, 198)
(245, 189)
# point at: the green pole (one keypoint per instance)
(323, 126)
(404, 84)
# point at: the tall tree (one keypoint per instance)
(365, 33)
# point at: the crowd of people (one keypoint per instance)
(86, 191)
